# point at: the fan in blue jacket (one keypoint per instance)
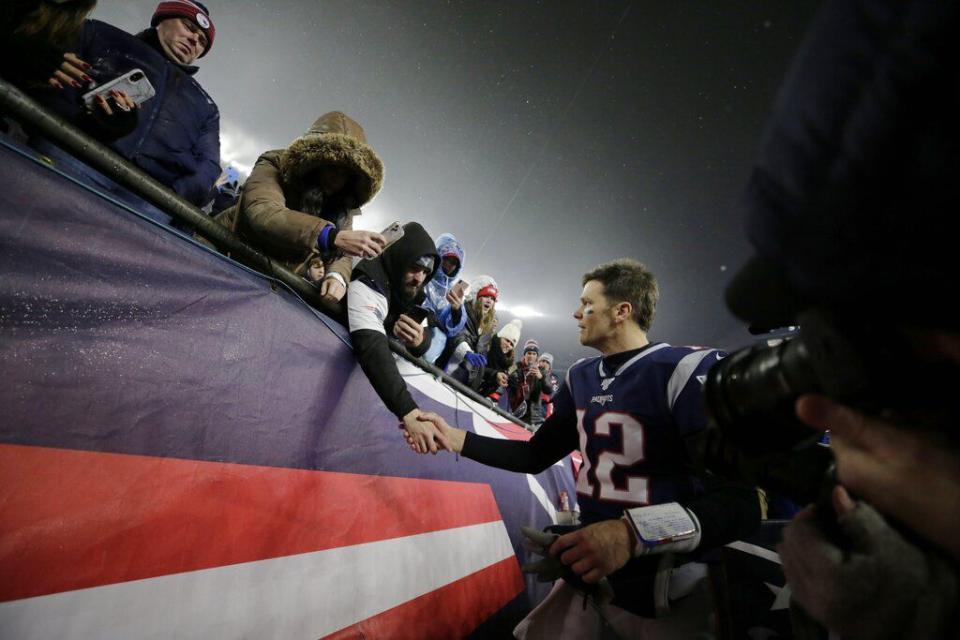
(177, 138)
(446, 304)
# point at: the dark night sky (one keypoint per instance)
(547, 136)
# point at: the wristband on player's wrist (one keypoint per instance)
(663, 528)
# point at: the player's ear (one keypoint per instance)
(623, 311)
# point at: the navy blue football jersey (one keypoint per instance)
(630, 424)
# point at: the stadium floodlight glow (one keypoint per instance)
(374, 218)
(521, 311)
(237, 148)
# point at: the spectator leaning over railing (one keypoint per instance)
(177, 137)
(298, 204)
(481, 323)
(384, 295)
(445, 296)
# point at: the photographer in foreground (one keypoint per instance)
(852, 209)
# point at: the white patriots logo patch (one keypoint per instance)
(602, 400)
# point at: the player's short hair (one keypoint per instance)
(626, 280)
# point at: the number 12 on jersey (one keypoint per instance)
(625, 449)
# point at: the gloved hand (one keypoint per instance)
(476, 360)
(550, 568)
(881, 586)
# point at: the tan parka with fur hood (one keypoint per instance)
(267, 214)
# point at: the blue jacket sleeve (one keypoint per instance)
(445, 318)
(197, 186)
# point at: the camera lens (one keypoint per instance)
(137, 76)
(750, 396)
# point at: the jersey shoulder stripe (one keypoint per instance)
(579, 365)
(646, 353)
(683, 372)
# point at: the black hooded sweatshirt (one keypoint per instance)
(375, 301)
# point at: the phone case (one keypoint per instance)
(419, 314)
(134, 83)
(392, 233)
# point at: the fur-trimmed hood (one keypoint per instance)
(334, 138)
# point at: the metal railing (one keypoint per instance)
(17, 105)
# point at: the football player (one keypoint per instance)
(628, 411)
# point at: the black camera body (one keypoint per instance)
(750, 395)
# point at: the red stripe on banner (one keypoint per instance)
(511, 431)
(452, 611)
(76, 519)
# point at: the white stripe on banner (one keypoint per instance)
(542, 498)
(302, 596)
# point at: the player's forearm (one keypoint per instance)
(510, 455)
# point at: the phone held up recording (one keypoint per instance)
(134, 83)
(392, 233)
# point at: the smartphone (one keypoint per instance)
(462, 286)
(392, 233)
(134, 83)
(419, 314)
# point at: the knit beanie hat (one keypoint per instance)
(426, 262)
(191, 10)
(531, 345)
(511, 330)
(482, 286)
(548, 357)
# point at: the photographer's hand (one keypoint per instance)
(870, 588)
(909, 474)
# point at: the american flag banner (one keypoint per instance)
(187, 450)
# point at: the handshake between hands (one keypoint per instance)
(429, 433)
(590, 553)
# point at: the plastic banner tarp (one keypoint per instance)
(188, 450)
